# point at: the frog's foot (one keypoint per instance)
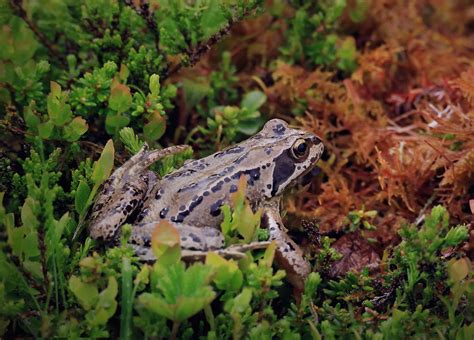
(124, 191)
(289, 255)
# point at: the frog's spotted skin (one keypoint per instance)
(190, 197)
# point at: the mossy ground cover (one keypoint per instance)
(386, 224)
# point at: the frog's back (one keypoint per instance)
(194, 193)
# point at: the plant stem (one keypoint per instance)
(174, 330)
(127, 300)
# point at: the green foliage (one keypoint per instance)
(76, 76)
(313, 35)
(241, 222)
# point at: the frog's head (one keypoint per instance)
(286, 155)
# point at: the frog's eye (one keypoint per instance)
(300, 149)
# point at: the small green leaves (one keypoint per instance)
(131, 140)
(242, 220)
(59, 124)
(181, 293)
(59, 112)
(227, 275)
(100, 306)
(86, 294)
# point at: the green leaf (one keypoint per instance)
(458, 269)
(59, 112)
(155, 84)
(45, 130)
(241, 302)
(75, 129)
(116, 121)
(164, 237)
(227, 273)
(87, 294)
(103, 167)
(107, 304)
(269, 255)
(120, 98)
(253, 100)
(155, 127)
(194, 91)
(124, 73)
(82, 195)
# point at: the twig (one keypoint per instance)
(29, 277)
(42, 249)
(144, 12)
(193, 55)
(18, 10)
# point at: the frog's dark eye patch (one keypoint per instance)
(300, 149)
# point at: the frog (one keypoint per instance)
(190, 198)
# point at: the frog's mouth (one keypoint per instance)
(308, 177)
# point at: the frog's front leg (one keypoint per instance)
(123, 192)
(289, 255)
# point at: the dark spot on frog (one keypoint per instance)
(194, 238)
(216, 208)
(195, 202)
(268, 164)
(313, 159)
(268, 150)
(269, 186)
(233, 188)
(189, 187)
(227, 179)
(159, 193)
(298, 167)
(206, 193)
(284, 168)
(163, 212)
(279, 129)
(254, 174)
(217, 187)
(183, 238)
(240, 159)
(179, 173)
(234, 149)
(143, 214)
(178, 218)
(183, 207)
(131, 206)
(227, 170)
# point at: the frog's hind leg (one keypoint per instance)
(191, 238)
(195, 242)
(124, 191)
